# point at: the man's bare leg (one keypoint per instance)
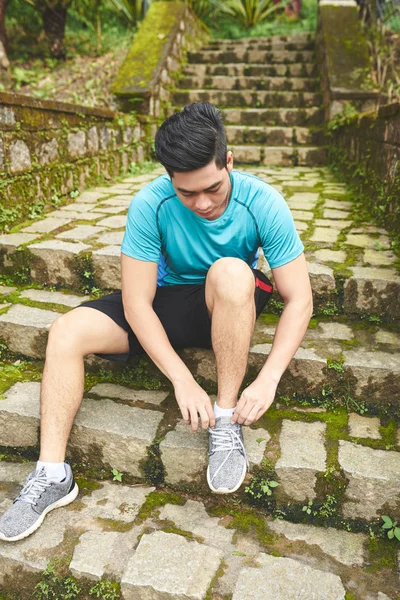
(230, 301)
(76, 334)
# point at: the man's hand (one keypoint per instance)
(253, 402)
(194, 401)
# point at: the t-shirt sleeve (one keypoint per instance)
(141, 239)
(279, 239)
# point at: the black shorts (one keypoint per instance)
(182, 311)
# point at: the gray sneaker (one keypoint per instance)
(227, 457)
(38, 497)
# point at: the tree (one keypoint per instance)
(54, 15)
(4, 62)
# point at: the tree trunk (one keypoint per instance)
(54, 21)
(4, 62)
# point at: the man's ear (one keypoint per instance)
(229, 160)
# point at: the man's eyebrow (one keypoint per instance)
(214, 185)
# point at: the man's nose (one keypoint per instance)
(203, 202)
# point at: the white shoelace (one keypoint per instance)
(223, 440)
(33, 488)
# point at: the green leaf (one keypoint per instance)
(259, 440)
(387, 519)
(397, 533)
(387, 526)
(273, 484)
(391, 534)
(236, 553)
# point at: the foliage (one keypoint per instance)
(251, 12)
(385, 62)
(204, 9)
(392, 530)
(105, 590)
(344, 118)
(53, 587)
(117, 475)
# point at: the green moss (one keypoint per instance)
(220, 572)
(382, 554)
(113, 525)
(86, 486)
(139, 67)
(156, 500)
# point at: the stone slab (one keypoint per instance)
(337, 204)
(302, 215)
(347, 548)
(76, 207)
(54, 297)
(378, 258)
(330, 213)
(14, 240)
(106, 262)
(364, 427)
(184, 454)
(56, 262)
(326, 255)
(301, 226)
(321, 277)
(374, 480)
(116, 501)
(90, 196)
(25, 329)
(115, 222)
(80, 233)
(47, 225)
(5, 290)
(279, 578)
(119, 392)
(367, 241)
(78, 216)
(19, 415)
(92, 554)
(335, 331)
(336, 223)
(303, 455)
(120, 441)
(373, 291)
(167, 566)
(325, 235)
(194, 518)
(113, 238)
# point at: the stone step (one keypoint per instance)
(226, 82)
(288, 117)
(246, 98)
(115, 427)
(144, 538)
(266, 45)
(246, 55)
(253, 70)
(274, 136)
(284, 156)
(352, 268)
(371, 357)
(293, 38)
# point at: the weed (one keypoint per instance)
(105, 590)
(335, 365)
(53, 587)
(392, 530)
(308, 507)
(117, 475)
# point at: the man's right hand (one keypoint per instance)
(194, 401)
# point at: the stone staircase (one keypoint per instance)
(268, 93)
(331, 439)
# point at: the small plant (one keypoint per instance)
(262, 488)
(392, 530)
(308, 507)
(335, 365)
(117, 475)
(53, 587)
(74, 193)
(106, 590)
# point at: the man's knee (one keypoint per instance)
(66, 333)
(231, 277)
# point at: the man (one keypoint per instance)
(188, 279)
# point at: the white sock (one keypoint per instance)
(54, 471)
(222, 412)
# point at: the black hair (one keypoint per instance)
(191, 139)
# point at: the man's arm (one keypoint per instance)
(139, 285)
(293, 284)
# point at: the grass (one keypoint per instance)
(225, 28)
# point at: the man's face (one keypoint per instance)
(205, 191)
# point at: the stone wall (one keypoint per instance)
(49, 147)
(147, 75)
(367, 148)
(343, 58)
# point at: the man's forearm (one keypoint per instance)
(289, 333)
(151, 335)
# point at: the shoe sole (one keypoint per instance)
(61, 502)
(225, 490)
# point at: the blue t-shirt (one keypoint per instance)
(160, 228)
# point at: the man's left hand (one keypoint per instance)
(253, 402)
